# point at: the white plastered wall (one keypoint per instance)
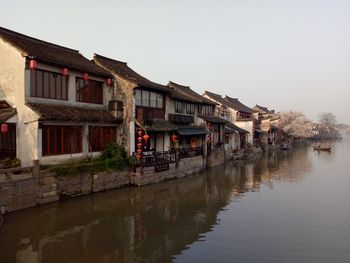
(12, 83)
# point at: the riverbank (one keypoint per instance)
(21, 188)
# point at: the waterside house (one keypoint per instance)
(187, 103)
(237, 114)
(56, 99)
(266, 127)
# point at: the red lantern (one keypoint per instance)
(139, 150)
(109, 82)
(4, 128)
(65, 72)
(146, 137)
(86, 76)
(139, 156)
(173, 137)
(139, 138)
(139, 132)
(32, 64)
(139, 144)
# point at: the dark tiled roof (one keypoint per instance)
(261, 108)
(191, 130)
(71, 113)
(157, 125)
(50, 53)
(237, 105)
(212, 119)
(185, 93)
(236, 128)
(122, 69)
(217, 98)
(6, 111)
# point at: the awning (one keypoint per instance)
(260, 131)
(6, 111)
(53, 112)
(158, 126)
(191, 131)
(212, 119)
(233, 127)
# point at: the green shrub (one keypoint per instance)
(114, 156)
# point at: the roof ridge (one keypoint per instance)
(227, 97)
(176, 84)
(209, 93)
(8, 31)
(104, 57)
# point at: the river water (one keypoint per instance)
(291, 206)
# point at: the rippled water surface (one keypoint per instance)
(286, 207)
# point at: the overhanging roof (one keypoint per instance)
(186, 131)
(231, 126)
(6, 111)
(212, 119)
(69, 113)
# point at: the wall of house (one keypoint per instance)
(125, 91)
(248, 126)
(13, 79)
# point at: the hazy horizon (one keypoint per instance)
(286, 55)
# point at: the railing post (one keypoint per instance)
(36, 168)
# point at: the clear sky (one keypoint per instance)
(283, 54)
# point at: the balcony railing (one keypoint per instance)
(188, 152)
(158, 158)
(144, 114)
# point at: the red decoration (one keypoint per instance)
(146, 137)
(86, 76)
(32, 64)
(109, 82)
(139, 156)
(4, 128)
(173, 137)
(139, 144)
(139, 150)
(65, 72)
(139, 132)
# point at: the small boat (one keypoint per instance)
(322, 147)
(284, 146)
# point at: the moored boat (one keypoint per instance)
(322, 147)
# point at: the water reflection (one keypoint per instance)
(149, 224)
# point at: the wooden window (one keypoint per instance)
(190, 108)
(100, 136)
(47, 84)
(178, 107)
(207, 110)
(90, 91)
(58, 140)
(145, 98)
(138, 97)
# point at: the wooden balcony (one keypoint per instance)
(181, 118)
(145, 114)
(188, 152)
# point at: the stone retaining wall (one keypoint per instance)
(216, 157)
(19, 194)
(185, 167)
